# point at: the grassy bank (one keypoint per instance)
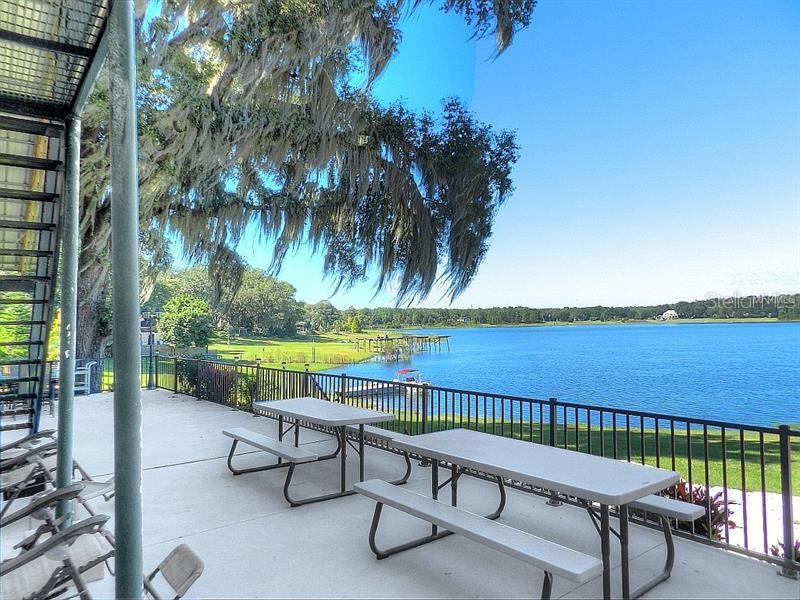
(321, 352)
(719, 473)
(732, 459)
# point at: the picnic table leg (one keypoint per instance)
(623, 551)
(668, 563)
(296, 433)
(605, 550)
(280, 434)
(434, 488)
(361, 452)
(341, 451)
(435, 533)
(496, 514)
(236, 471)
(343, 468)
(454, 485)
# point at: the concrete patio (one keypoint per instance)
(254, 545)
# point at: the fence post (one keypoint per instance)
(424, 408)
(343, 391)
(553, 420)
(236, 381)
(175, 371)
(788, 569)
(553, 402)
(306, 383)
(155, 367)
(259, 395)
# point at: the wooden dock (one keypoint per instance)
(372, 389)
(412, 343)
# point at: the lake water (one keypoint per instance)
(741, 372)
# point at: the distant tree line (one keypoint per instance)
(264, 305)
(785, 307)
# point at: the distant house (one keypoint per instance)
(669, 315)
(302, 328)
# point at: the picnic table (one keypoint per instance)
(589, 478)
(326, 414)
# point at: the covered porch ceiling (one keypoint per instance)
(47, 51)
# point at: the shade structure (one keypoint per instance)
(50, 53)
(46, 49)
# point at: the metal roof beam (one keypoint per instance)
(31, 107)
(90, 73)
(28, 162)
(35, 42)
(27, 126)
(26, 195)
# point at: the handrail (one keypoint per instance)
(710, 454)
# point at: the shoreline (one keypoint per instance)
(732, 321)
(300, 357)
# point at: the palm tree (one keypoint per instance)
(249, 115)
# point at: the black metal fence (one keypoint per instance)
(741, 474)
(102, 373)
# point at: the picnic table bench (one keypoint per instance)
(598, 483)
(282, 450)
(552, 558)
(326, 414)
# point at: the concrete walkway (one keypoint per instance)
(254, 545)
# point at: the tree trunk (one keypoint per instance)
(94, 327)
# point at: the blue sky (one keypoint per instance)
(660, 151)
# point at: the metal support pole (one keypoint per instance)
(127, 340)
(70, 248)
(786, 498)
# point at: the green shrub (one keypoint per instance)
(186, 321)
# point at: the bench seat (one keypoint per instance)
(280, 449)
(544, 554)
(670, 508)
(377, 433)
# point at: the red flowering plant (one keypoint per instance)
(778, 550)
(718, 511)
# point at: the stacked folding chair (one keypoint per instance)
(58, 559)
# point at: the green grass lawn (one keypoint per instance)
(742, 456)
(740, 469)
(106, 370)
(322, 352)
(719, 472)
